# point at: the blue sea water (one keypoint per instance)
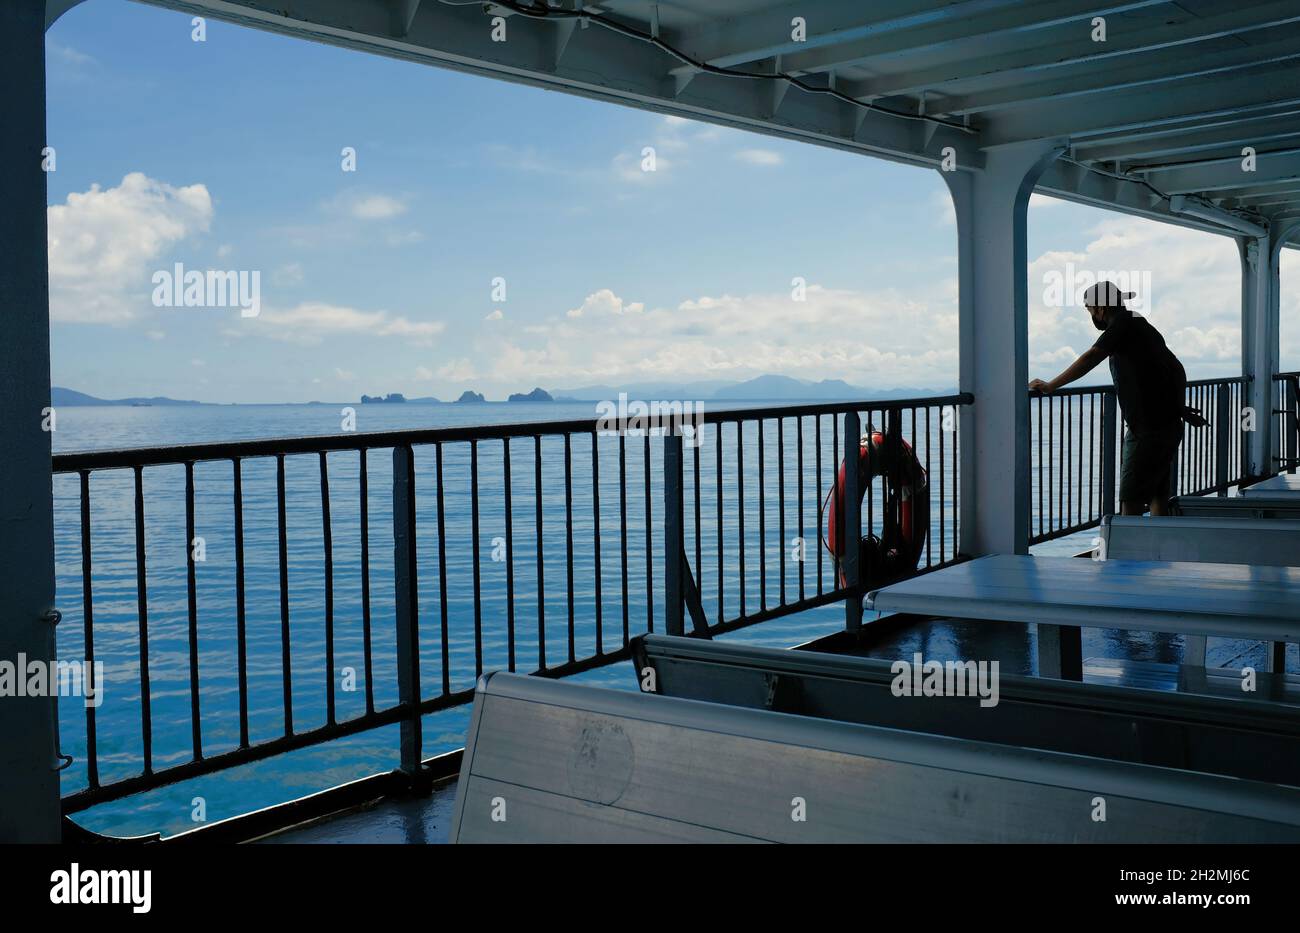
(541, 599)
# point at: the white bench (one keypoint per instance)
(1256, 505)
(547, 761)
(1256, 541)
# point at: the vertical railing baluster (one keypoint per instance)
(541, 562)
(443, 630)
(286, 658)
(943, 497)
(1109, 429)
(327, 543)
(406, 591)
(510, 557)
(241, 616)
(192, 605)
(649, 541)
(803, 538)
(622, 526)
(780, 501)
(595, 523)
(674, 541)
(477, 571)
(929, 478)
(762, 524)
(717, 463)
(568, 534)
(1292, 436)
(851, 522)
(365, 577)
(88, 632)
(142, 612)
(740, 512)
(697, 444)
(817, 468)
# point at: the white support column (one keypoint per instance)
(991, 206)
(1259, 348)
(1282, 233)
(29, 787)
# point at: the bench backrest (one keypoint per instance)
(1258, 541)
(548, 761)
(1247, 738)
(1261, 506)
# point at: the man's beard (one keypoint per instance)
(1099, 324)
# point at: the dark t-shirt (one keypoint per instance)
(1149, 380)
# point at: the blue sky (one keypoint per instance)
(226, 154)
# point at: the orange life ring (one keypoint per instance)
(906, 520)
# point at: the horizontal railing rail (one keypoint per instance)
(1076, 436)
(244, 594)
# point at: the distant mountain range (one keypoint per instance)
(766, 388)
(67, 398)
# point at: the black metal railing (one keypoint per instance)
(1286, 389)
(235, 585)
(1075, 438)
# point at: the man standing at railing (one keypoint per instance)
(1150, 384)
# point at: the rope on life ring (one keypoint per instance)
(895, 554)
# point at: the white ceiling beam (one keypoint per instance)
(1051, 52)
(1254, 132)
(754, 36)
(1223, 175)
(1093, 77)
(1121, 110)
(963, 26)
(603, 65)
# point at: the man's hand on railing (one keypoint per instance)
(1040, 385)
(1194, 417)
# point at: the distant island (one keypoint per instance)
(537, 395)
(769, 388)
(68, 398)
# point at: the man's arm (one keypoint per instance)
(1085, 364)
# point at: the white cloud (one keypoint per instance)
(313, 321)
(106, 242)
(496, 315)
(1195, 286)
(377, 207)
(760, 157)
(878, 338)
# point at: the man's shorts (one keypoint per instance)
(1148, 456)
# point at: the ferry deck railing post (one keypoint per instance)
(852, 522)
(406, 593)
(1292, 444)
(1109, 428)
(674, 535)
(1222, 438)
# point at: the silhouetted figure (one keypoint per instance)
(1150, 383)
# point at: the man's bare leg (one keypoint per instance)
(1132, 508)
(1159, 506)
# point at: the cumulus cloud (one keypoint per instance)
(1194, 291)
(878, 337)
(313, 321)
(367, 205)
(106, 242)
(759, 157)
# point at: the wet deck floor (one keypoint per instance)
(1137, 659)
